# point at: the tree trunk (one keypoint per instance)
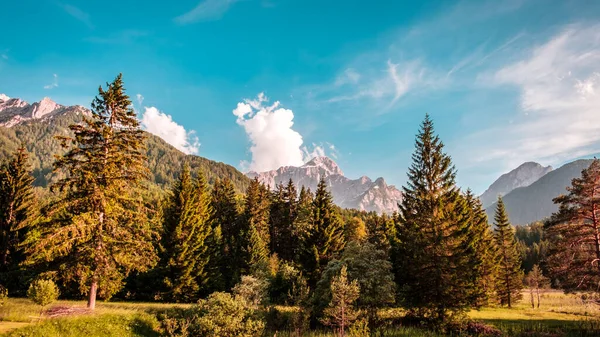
(92, 298)
(538, 296)
(532, 298)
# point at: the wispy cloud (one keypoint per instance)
(121, 37)
(559, 85)
(206, 10)
(78, 14)
(54, 83)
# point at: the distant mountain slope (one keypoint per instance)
(522, 176)
(534, 202)
(361, 194)
(36, 131)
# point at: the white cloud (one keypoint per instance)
(205, 11)
(162, 125)
(559, 100)
(4, 56)
(78, 14)
(139, 98)
(274, 142)
(54, 83)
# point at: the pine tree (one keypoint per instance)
(99, 230)
(324, 236)
(509, 282)
(186, 232)
(433, 253)
(16, 203)
(284, 210)
(255, 227)
(341, 312)
(486, 249)
(225, 221)
(574, 232)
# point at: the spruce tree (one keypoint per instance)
(186, 233)
(16, 203)
(255, 227)
(486, 250)
(99, 231)
(434, 254)
(324, 236)
(341, 311)
(509, 282)
(284, 210)
(574, 233)
(225, 221)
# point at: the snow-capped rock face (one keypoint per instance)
(14, 111)
(361, 193)
(524, 175)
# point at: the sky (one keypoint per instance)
(260, 84)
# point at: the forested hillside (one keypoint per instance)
(164, 160)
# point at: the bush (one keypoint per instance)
(252, 290)
(282, 284)
(219, 315)
(3, 294)
(42, 292)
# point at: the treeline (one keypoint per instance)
(101, 234)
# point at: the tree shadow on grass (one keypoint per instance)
(547, 327)
(144, 328)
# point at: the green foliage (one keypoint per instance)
(3, 294)
(355, 230)
(16, 207)
(98, 230)
(574, 233)
(282, 225)
(254, 222)
(42, 292)
(251, 290)
(532, 244)
(324, 236)
(434, 252)
(509, 279)
(341, 312)
(372, 271)
(186, 233)
(283, 284)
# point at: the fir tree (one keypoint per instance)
(225, 221)
(16, 203)
(509, 282)
(186, 232)
(434, 254)
(574, 232)
(99, 230)
(324, 236)
(486, 250)
(255, 227)
(341, 312)
(284, 210)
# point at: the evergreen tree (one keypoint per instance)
(486, 250)
(341, 312)
(255, 227)
(379, 231)
(324, 236)
(509, 281)
(99, 230)
(284, 210)
(186, 232)
(434, 249)
(574, 232)
(16, 203)
(225, 221)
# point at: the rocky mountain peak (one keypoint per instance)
(361, 193)
(325, 163)
(3, 97)
(14, 111)
(524, 175)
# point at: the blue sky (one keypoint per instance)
(505, 81)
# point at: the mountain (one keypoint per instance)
(534, 202)
(522, 176)
(35, 125)
(361, 193)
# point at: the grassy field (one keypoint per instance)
(558, 315)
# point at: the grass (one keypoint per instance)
(558, 315)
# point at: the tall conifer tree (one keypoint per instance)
(16, 203)
(486, 250)
(509, 282)
(225, 221)
(434, 255)
(99, 225)
(186, 233)
(255, 227)
(324, 236)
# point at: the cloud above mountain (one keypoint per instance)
(163, 126)
(274, 141)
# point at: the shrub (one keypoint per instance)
(42, 292)
(3, 294)
(282, 284)
(252, 290)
